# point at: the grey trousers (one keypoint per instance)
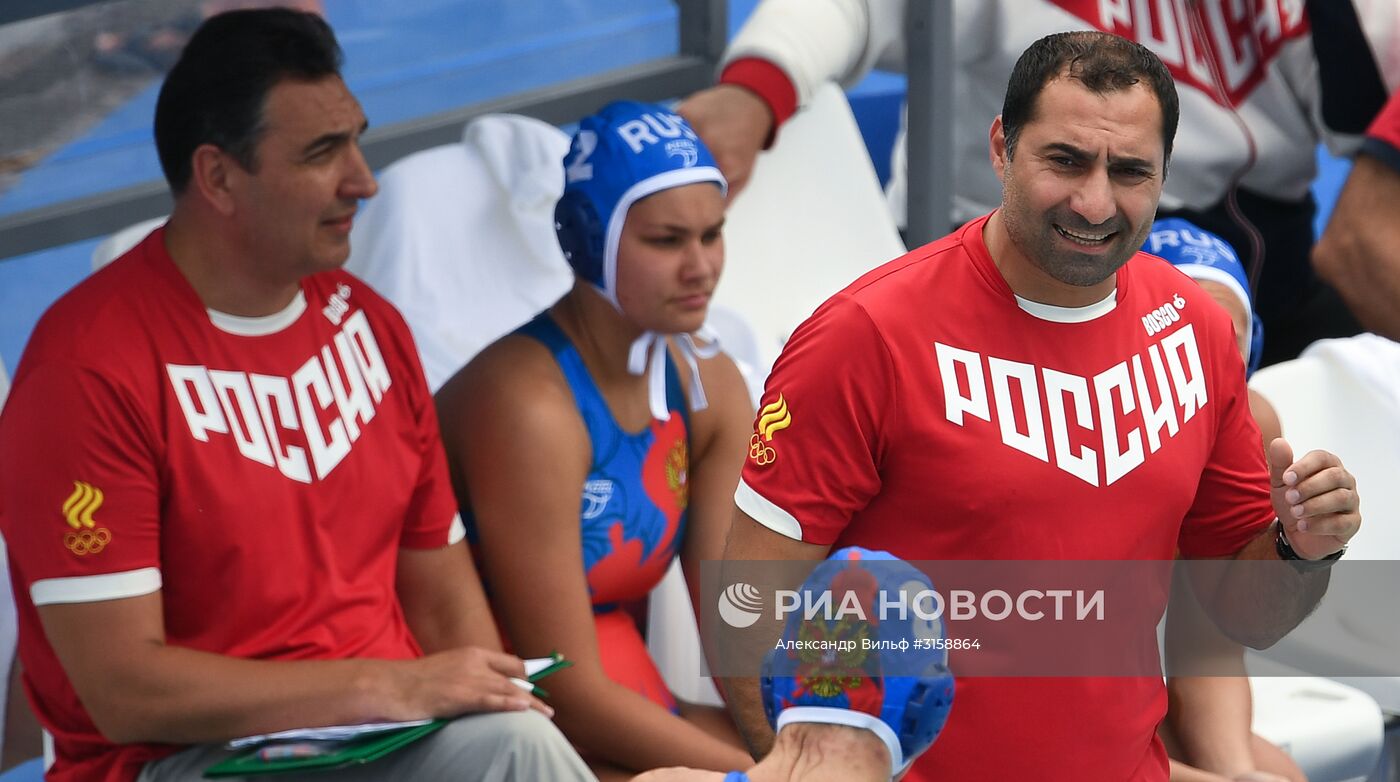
(496, 747)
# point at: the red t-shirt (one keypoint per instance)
(264, 480)
(1383, 137)
(925, 411)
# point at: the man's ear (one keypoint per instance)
(213, 176)
(998, 148)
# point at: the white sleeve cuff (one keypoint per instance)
(763, 511)
(458, 530)
(92, 589)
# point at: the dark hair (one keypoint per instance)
(216, 92)
(1102, 62)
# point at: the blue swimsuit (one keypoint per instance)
(632, 512)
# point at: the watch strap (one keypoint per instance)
(1287, 553)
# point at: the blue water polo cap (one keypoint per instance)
(1202, 255)
(620, 155)
(901, 692)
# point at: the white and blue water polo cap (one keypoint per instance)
(1202, 255)
(619, 156)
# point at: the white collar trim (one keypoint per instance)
(262, 325)
(1083, 314)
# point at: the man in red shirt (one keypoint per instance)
(225, 498)
(1031, 387)
(1260, 84)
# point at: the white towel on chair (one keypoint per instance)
(461, 237)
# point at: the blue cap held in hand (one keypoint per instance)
(902, 694)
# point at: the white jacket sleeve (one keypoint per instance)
(815, 41)
(1379, 22)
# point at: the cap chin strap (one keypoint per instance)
(647, 356)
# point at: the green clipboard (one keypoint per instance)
(355, 751)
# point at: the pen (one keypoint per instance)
(528, 687)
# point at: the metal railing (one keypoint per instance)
(702, 31)
(702, 35)
(928, 41)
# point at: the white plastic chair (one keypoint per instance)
(1332, 731)
(811, 220)
(1344, 396)
(1325, 399)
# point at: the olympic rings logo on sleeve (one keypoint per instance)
(87, 541)
(86, 537)
(773, 418)
(761, 454)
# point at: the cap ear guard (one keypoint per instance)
(926, 711)
(580, 233)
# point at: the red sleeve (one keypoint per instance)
(1383, 137)
(80, 485)
(814, 455)
(432, 512)
(1232, 504)
(769, 83)
(432, 520)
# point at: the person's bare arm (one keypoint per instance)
(1265, 416)
(749, 540)
(734, 123)
(1182, 772)
(807, 43)
(519, 448)
(1209, 705)
(442, 599)
(1357, 254)
(1316, 500)
(1209, 702)
(722, 435)
(137, 687)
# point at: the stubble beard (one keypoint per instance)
(1035, 236)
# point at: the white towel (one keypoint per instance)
(461, 238)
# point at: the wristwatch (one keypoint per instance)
(1299, 562)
